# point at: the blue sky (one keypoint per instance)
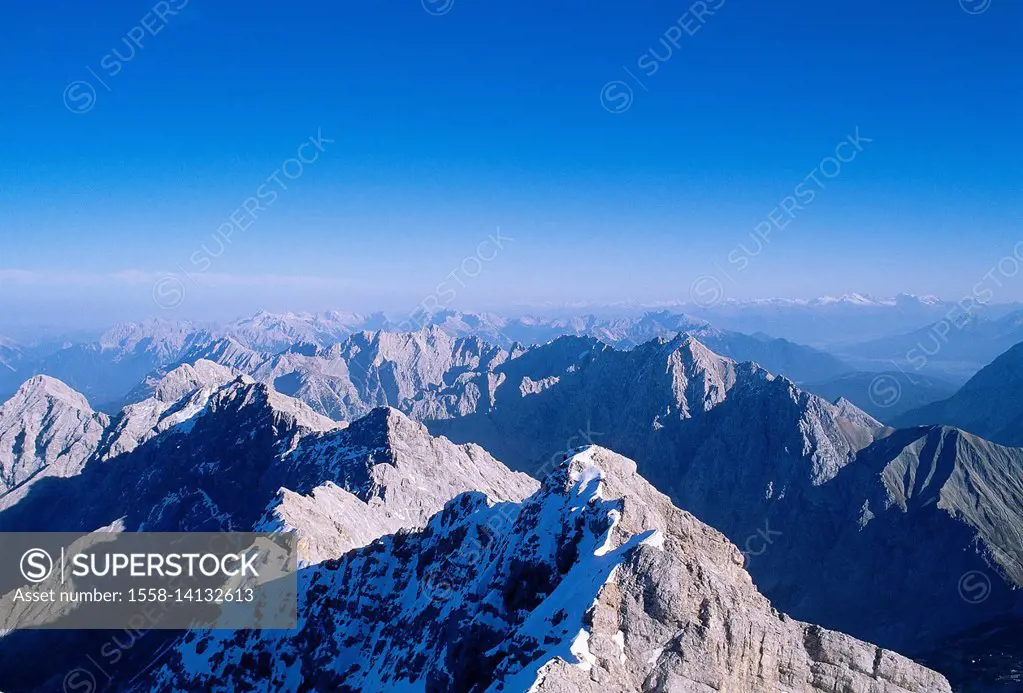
(451, 120)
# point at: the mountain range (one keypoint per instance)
(703, 428)
(590, 581)
(107, 369)
(954, 347)
(828, 321)
(905, 522)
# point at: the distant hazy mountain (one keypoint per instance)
(105, 370)
(953, 348)
(10, 354)
(108, 369)
(828, 320)
(794, 360)
(274, 332)
(884, 395)
(595, 583)
(989, 405)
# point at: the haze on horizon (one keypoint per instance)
(426, 135)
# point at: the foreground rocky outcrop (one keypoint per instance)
(595, 583)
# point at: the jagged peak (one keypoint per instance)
(386, 419)
(189, 377)
(695, 358)
(850, 411)
(44, 386)
(585, 471)
(244, 391)
(380, 429)
(303, 349)
(697, 350)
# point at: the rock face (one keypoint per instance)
(595, 583)
(172, 400)
(898, 518)
(381, 474)
(46, 429)
(988, 405)
(924, 530)
(670, 400)
(369, 369)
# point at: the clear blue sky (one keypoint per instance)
(479, 115)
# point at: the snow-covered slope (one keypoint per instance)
(596, 583)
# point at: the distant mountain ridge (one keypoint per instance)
(954, 347)
(988, 405)
(830, 321)
(106, 370)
